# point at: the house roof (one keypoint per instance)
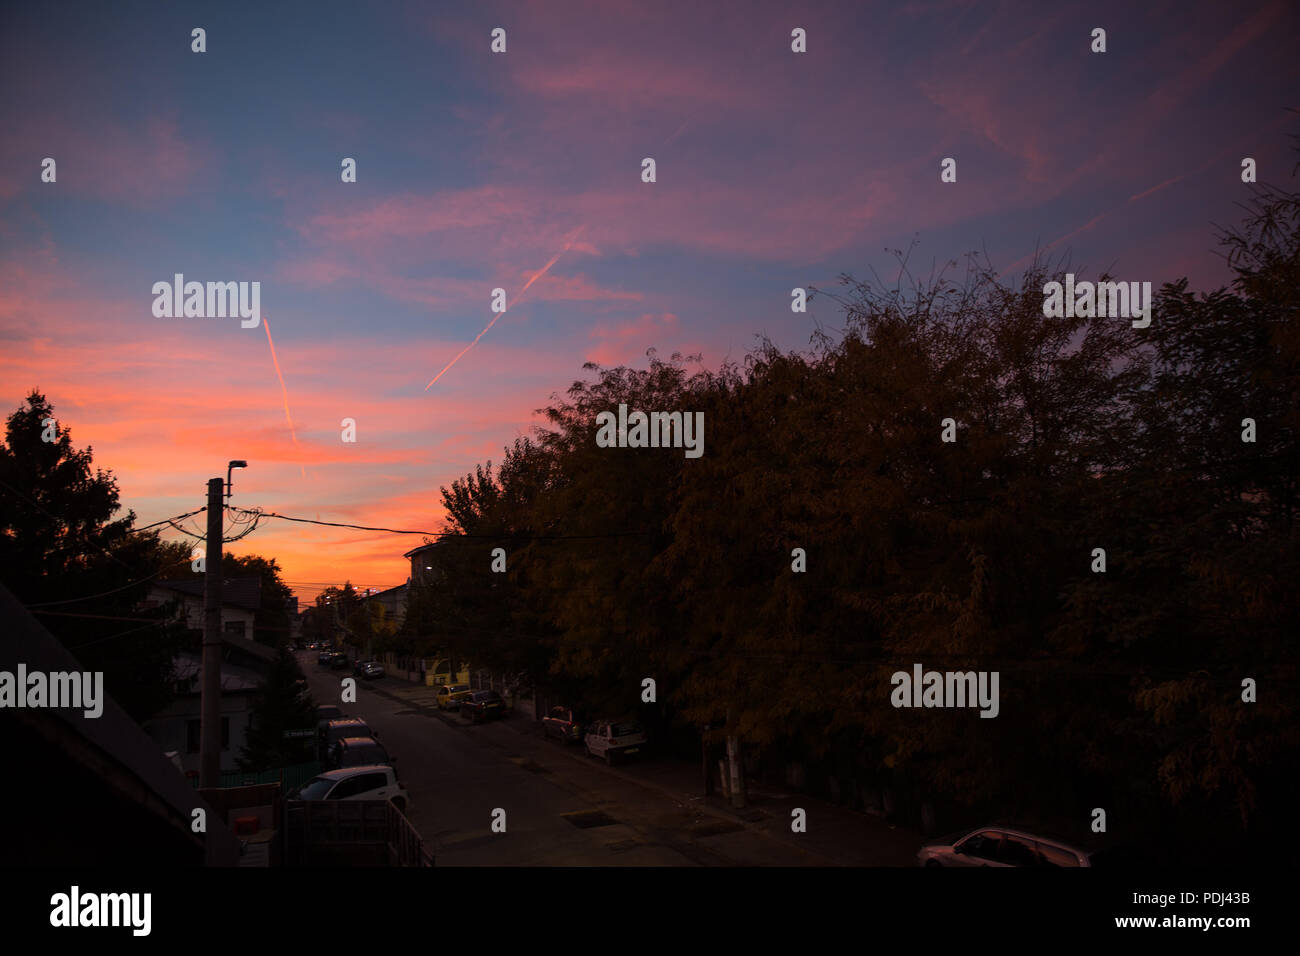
(252, 648)
(379, 594)
(240, 592)
(124, 756)
(424, 547)
(188, 666)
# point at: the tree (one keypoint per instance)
(62, 549)
(283, 704)
(271, 621)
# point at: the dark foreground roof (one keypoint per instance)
(112, 797)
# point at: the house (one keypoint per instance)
(393, 601)
(244, 667)
(245, 664)
(424, 568)
(295, 620)
(241, 597)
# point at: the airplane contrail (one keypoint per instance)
(284, 393)
(537, 275)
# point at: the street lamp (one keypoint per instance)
(231, 466)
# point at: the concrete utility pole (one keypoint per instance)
(210, 699)
(736, 759)
(210, 706)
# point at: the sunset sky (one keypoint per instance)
(475, 170)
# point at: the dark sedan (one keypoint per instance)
(564, 723)
(482, 704)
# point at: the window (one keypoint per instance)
(1018, 851)
(316, 789)
(193, 731)
(234, 628)
(1057, 855)
(361, 755)
(349, 787)
(360, 784)
(983, 845)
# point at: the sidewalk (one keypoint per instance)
(836, 836)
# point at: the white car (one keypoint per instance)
(614, 738)
(375, 782)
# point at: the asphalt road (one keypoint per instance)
(458, 775)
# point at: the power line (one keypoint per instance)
(113, 591)
(450, 534)
(169, 520)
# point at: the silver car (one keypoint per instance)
(1000, 846)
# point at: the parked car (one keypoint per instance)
(355, 783)
(482, 704)
(335, 730)
(563, 722)
(358, 752)
(329, 712)
(372, 669)
(325, 658)
(614, 739)
(339, 662)
(450, 696)
(1002, 847)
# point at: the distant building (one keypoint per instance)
(295, 621)
(424, 567)
(393, 601)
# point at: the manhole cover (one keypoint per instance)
(622, 846)
(586, 819)
(715, 828)
(533, 766)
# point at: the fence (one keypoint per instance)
(350, 833)
(289, 778)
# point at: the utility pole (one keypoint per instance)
(735, 763)
(210, 695)
(210, 706)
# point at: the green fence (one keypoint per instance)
(289, 778)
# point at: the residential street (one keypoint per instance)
(457, 774)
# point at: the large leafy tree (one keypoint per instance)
(67, 553)
(1120, 689)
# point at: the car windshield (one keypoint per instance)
(351, 730)
(363, 754)
(488, 695)
(314, 789)
(623, 730)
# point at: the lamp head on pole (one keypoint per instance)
(231, 466)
